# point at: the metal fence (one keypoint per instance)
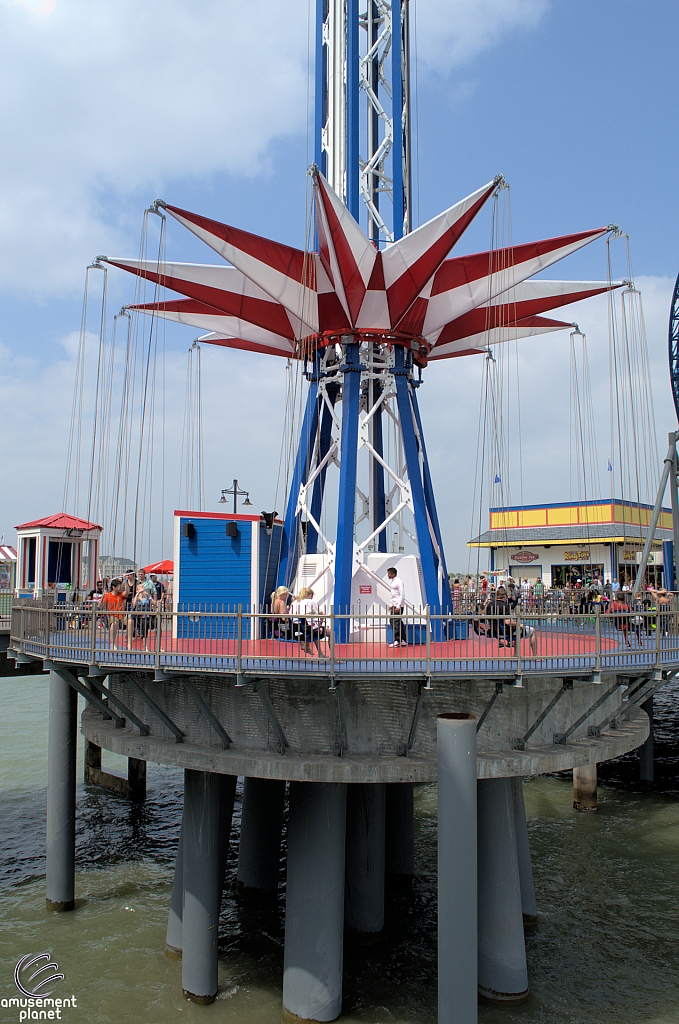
(6, 598)
(206, 639)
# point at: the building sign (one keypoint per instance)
(365, 588)
(629, 556)
(524, 556)
(576, 556)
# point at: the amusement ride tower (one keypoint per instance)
(364, 314)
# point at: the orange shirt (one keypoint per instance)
(112, 602)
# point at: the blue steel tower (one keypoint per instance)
(362, 110)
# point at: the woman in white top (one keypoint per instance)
(304, 614)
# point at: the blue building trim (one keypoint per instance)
(574, 504)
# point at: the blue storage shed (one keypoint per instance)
(222, 561)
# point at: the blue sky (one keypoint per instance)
(575, 102)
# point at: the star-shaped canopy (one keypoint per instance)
(283, 301)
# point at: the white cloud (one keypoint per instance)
(451, 34)
(100, 101)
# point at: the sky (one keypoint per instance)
(206, 105)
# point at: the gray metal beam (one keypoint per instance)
(209, 714)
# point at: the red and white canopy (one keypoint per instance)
(282, 301)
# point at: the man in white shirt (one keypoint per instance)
(397, 600)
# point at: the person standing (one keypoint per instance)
(113, 603)
(396, 605)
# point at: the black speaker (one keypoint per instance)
(268, 518)
(232, 529)
(188, 530)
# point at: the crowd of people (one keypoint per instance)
(128, 605)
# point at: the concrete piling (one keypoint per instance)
(203, 875)
(399, 833)
(503, 976)
(260, 839)
(136, 779)
(584, 788)
(457, 869)
(646, 766)
(314, 909)
(528, 904)
(62, 747)
(365, 852)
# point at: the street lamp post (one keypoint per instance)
(234, 491)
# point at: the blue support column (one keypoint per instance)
(353, 92)
(344, 552)
(304, 452)
(320, 88)
(379, 497)
(668, 564)
(405, 410)
(397, 115)
(446, 596)
(319, 483)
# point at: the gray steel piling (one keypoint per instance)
(314, 910)
(260, 839)
(173, 935)
(364, 902)
(528, 904)
(62, 746)
(457, 870)
(503, 976)
(646, 766)
(203, 874)
(399, 833)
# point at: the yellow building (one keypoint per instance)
(565, 542)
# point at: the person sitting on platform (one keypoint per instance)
(113, 603)
(397, 602)
(497, 608)
(305, 621)
(281, 624)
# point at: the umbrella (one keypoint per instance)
(164, 567)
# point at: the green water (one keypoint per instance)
(605, 951)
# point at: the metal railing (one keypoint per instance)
(205, 639)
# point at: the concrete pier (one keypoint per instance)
(503, 976)
(365, 852)
(399, 833)
(202, 872)
(314, 910)
(646, 766)
(457, 869)
(62, 747)
(528, 904)
(132, 788)
(584, 788)
(260, 839)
